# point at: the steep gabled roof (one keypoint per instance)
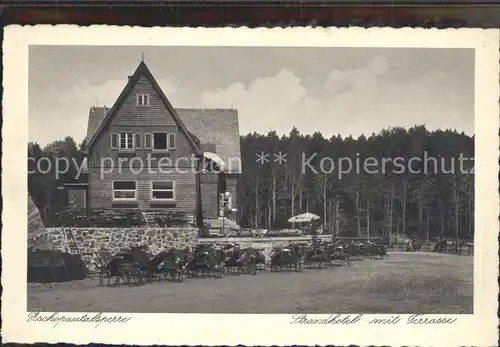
(142, 70)
(218, 127)
(96, 116)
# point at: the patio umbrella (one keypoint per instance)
(216, 159)
(304, 218)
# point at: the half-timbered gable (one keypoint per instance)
(143, 153)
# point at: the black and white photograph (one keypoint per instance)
(332, 180)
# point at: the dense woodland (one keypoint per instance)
(391, 202)
(439, 203)
(42, 182)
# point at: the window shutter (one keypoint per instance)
(147, 141)
(114, 141)
(171, 141)
(137, 140)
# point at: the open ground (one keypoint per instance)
(403, 283)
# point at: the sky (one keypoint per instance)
(346, 91)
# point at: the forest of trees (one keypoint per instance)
(42, 182)
(432, 204)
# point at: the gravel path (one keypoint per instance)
(403, 283)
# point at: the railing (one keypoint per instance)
(264, 239)
(114, 219)
(461, 249)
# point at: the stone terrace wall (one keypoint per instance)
(89, 240)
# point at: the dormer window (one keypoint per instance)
(142, 99)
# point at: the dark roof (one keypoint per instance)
(219, 127)
(142, 70)
(96, 116)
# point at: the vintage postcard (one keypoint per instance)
(250, 186)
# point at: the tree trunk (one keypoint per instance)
(466, 216)
(397, 228)
(332, 217)
(391, 207)
(337, 219)
(368, 219)
(274, 201)
(300, 201)
(427, 227)
(420, 212)
(257, 211)
(457, 210)
(251, 216)
(269, 225)
(470, 223)
(357, 213)
(403, 217)
(441, 214)
(324, 202)
(389, 213)
(329, 222)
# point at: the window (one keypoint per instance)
(126, 140)
(142, 99)
(163, 191)
(124, 190)
(163, 141)
(160, 141)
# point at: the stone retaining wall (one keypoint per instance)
(89, 240)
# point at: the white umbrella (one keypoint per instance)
(216, 159)
(303, 218)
